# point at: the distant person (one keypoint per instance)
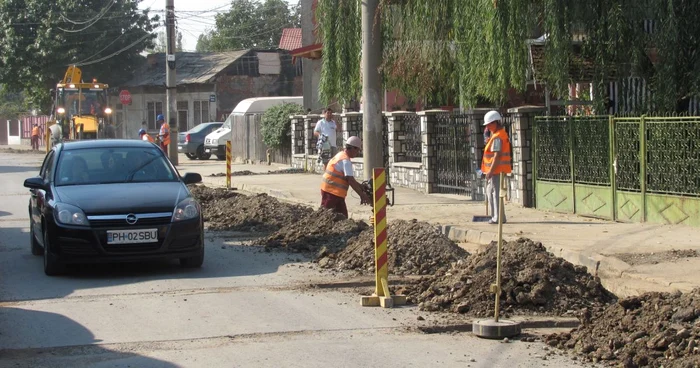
(110, 131)
(496, 161)
(144, 136)
(36, 135)
(328, 127)
(164, 134)
(339, 176)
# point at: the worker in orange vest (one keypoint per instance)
(164, 133)
(36, 134)
(496, 161)
(145, 136)
(339, 176)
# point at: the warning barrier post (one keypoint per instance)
(228, 165)
(381, 297)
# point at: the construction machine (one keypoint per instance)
(81, 109)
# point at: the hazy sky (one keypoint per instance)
(194, 16)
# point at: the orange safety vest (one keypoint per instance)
(503, 166)
(334, 181)
(147, 137)
(165, 133)
(35, 131)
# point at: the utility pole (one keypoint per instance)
(372, 143)
(170, 81)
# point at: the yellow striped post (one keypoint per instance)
(228, 165)
(382, 296)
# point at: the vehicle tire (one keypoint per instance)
(193, 262)
(201, 154)
(191, 156)
(220, 157)
(52, 267)
(37, 250)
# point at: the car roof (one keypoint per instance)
(106, 143)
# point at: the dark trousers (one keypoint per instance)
(35, 142)
(334, 203)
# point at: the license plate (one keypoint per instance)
(207, 150)
(179, 148)
(132, 236)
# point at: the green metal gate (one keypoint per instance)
(627, 169)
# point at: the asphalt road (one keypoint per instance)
(244, 308)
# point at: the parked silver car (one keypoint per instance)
(191, 143)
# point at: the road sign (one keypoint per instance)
(125, 97)
(212, 98)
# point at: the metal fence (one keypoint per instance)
(411, 150)
(454, 172)
(621, 168)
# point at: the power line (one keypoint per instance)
(96, 17)
(100, 15)
(84, 62)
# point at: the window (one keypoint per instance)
(182, 116)
(201, 112)
(47, 167)
(154, 109)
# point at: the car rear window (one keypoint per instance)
(113, 165)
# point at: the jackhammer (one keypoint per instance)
(324, 149)
(369, 191)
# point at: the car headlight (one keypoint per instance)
(186, 210)
(215, 141)
(67, 214)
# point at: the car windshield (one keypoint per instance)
(113, 165)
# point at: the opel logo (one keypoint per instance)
(131, 219)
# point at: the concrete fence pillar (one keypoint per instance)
(309, 138)
(521, 190)
(297, 133)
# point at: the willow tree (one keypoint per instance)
(478, 48)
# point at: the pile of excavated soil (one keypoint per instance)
(414, 248)
(269, 172)
(227, 210)
(322, 231)
(650, 330)
(533, 281)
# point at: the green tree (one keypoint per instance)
(276, 125)
(41, 38)
(12, 104)
(477, 49)
(249, 24)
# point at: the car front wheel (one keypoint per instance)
(191, 156)
(52, 267)
(201, 154)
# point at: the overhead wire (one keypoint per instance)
(100, 15)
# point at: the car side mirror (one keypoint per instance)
(37, 182)
(190, 178)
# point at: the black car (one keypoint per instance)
(191, 143)
(113, 201)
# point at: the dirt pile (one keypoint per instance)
(269, 172)
(653, 329)
(227, 210)
(322, 231)
(533, 281)
(415, 248)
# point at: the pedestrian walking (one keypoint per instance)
(339, 176)
(496, 161)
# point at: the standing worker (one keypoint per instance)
(496, 161)
(56, 134)
(339, 175)
(164, 133)
(36, 135)
(328, 127)
(145, 136)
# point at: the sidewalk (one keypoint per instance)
(580, 240)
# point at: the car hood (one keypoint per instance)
(217, 134)
(123, 198)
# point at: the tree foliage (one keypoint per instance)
(249, 24)
(39, 39)
(478, 49)
(12, 104)
(276, 125)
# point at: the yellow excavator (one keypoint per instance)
(80, 109)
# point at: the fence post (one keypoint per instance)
(613, 167)
(643, 165)
(571, 159)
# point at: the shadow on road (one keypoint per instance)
(72, 344)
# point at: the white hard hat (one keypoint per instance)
(355, 142)
(491, 116)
